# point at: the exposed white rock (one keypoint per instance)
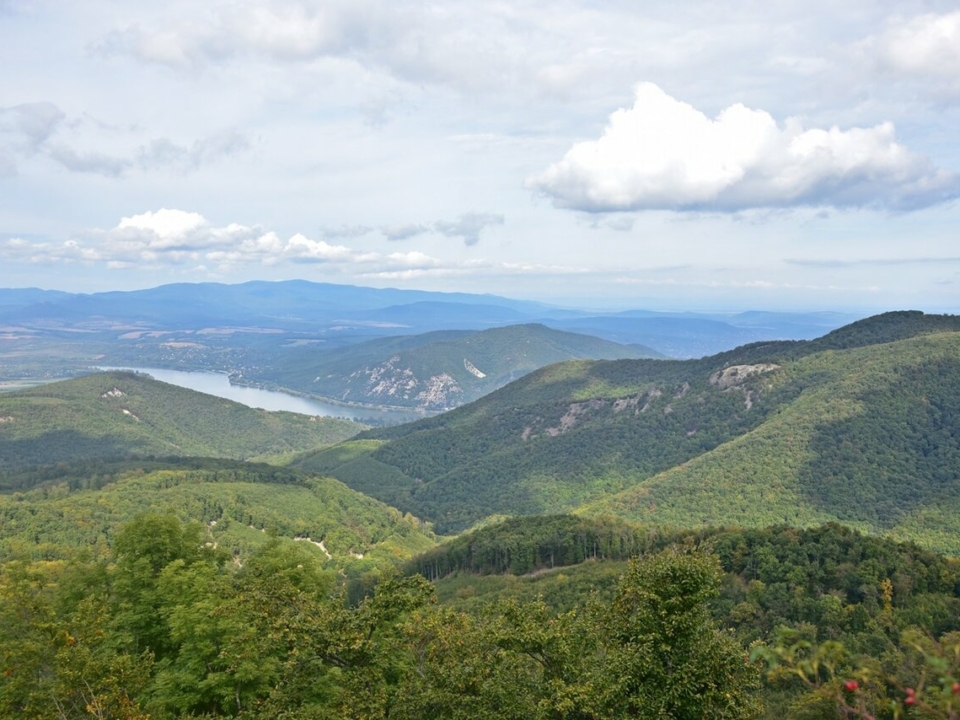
(472, 369)
(572, 416)
(737, 374)
(440, 391)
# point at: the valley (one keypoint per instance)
(786, 494)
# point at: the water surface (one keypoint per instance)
(218, 384)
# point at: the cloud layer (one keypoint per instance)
(924, 46)
(24, 130)
(171, 237)
(663, 154)
(42, 129)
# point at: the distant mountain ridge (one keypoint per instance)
(343, 313)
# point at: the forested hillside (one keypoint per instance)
(435, 371)
(110, 415)
(240, 505)
(821, 607)
(166, 627)
(767, 623)
(830, 578)
(859, 426)
(138, 584)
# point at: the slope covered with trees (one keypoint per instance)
(439, 370)
(857, 426)
(239, 504)
(833, 581)
(872, 441)
(167, 628)
(844, 624)
(110, 415)
(163, 626)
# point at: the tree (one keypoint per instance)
(666, 658)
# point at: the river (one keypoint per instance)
(218, 384)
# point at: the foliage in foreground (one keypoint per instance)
(169, 628)
(921, 678)
(796, 589)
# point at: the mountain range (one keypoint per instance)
(344, 314)
(859, 426)
(277, 555)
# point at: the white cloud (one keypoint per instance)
(163, 152)
(466, 227)
(665, 154)
(167, 225)
(171, 237)
(302, 249)
(414, 259)
(472, 46)
(345, 231)
(927, 45)
(94, 162)
(43, 129)
(280, 29)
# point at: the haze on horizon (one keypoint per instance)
(765, 156)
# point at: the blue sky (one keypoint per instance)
(799, 155)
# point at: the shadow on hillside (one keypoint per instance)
(61, 446)
(902, 453)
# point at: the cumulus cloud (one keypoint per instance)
(166, 227)
(173, 237)
(170, 237)
(663, 154)
(468, 226)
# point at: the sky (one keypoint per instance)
(603, 153)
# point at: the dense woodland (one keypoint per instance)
(242, 505)
(756, 535)
(726, 623)
(792, 440)
(111, 415)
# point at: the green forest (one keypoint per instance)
(725, 623)
(767, 533)
(111, 415)
(786, 436)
